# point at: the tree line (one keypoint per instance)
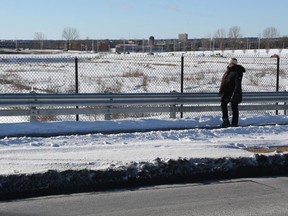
(220, 40)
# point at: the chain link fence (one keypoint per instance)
(133, 73)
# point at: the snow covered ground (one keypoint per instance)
(97, 149)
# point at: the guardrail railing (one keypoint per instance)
(33, 105)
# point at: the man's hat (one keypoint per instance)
(232, 61)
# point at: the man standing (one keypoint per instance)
(231, 91)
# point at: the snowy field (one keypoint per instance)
(97, 150)
(20, 152)
(137, 72)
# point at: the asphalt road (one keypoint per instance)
(257, 196)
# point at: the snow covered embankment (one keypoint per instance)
(140, 173)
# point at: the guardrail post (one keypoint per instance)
(107, 116)
(33, 111)
(173, 109)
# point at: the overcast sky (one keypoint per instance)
(129, 19)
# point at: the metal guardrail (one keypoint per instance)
(87, 99)
(109, 103)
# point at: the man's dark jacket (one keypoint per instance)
(231, 84)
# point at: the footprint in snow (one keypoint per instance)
(55, 145)
(239, 145)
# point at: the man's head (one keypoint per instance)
(232, 61)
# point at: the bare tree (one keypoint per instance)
(219, 36)
(70, 35)
(268, 34)
(284, 42)
(40, 37)
(234, 35)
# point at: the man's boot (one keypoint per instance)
(225, 123)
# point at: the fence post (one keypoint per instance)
(277, 78)
(182, 80)
(76, 83)
(33, 111)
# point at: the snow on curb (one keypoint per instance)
(139, 174)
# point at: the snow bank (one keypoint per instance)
(139, 174)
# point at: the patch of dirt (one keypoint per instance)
(269, 149)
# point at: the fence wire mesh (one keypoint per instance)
(133, 73)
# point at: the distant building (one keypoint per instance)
(183, 37)
(9, 44)
(127, 48)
